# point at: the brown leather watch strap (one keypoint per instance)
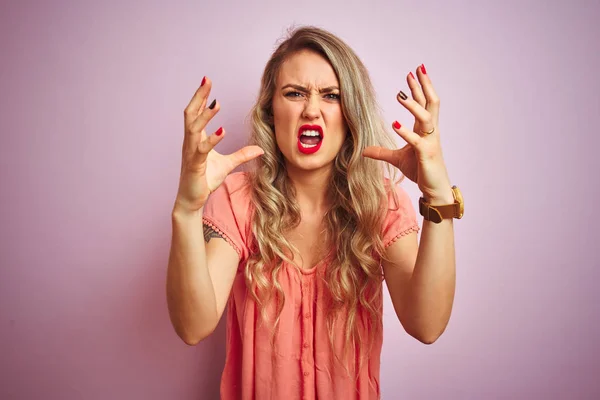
(447, 211)
(437, 213)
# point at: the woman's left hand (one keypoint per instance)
(421, 159)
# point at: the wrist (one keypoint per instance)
(440, 199)
(180, 212)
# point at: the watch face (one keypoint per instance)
(459, 199)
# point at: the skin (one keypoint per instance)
(307, 92)
(420, 276)
(200, 272)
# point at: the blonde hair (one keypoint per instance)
(358, 194)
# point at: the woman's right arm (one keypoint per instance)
(202, 265)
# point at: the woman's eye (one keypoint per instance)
(329, 96)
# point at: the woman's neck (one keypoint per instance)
(311, 188)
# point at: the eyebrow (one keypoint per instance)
(303, 89)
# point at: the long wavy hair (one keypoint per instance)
(357, 194)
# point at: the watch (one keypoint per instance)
(447, 211)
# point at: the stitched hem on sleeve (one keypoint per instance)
(225, 236)
(414, 228)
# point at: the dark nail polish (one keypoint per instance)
(402, 95)
(219, 132)
(203, 81)
(213, 104)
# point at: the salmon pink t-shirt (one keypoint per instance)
(301, 364)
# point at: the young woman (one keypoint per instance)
(299, 246)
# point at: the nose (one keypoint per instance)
(312, 108)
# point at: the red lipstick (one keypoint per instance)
(310, 148)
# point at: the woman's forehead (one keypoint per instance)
(308, 69)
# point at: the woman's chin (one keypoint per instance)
(300, 160)
(311, 163)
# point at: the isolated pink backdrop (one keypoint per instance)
(92, 97)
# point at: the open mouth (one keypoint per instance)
(310, 138)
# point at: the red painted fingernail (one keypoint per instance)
(397, 125)
(412, 76)
(219, 132)
(423, 70)
(203, 81)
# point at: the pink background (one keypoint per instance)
(91, 107)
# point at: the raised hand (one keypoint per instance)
(202, 168)
(421, 159)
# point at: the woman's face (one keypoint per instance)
(309, 125)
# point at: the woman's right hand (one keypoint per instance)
(202, 168)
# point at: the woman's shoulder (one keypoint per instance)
(236, 189)
(400, 218)
(394, 192)
(228, 210)
(233, 194)
(237, 184)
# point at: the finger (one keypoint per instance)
(205, 116)
(198, 101)
(206, 145)
(245, 154)
(423, 116)
(431, 97)
(380, 153)
(383, 154)
(415, 90)
(409, 136)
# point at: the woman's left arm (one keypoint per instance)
(421, 279)
(421, 276)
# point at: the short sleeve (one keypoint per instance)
(227, 211)
(401, 218)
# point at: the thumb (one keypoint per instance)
(245, 154)
(379, 153)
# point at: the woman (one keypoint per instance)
(299, 246)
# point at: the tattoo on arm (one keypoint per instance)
(210, 233)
